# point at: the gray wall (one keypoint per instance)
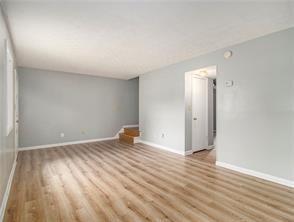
(80, 106)
(255, 118)
(162, 107)
(7, 150)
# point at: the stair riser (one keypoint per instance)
(132, 132)
(126, 138)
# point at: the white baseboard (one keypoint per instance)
(210, 147)
(184, 153)
(137, 140)
(75, 142)
(7, 190)
(130, 126)
(260, 175)
(188, 152)
(66, 143)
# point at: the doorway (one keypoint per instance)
(16, 111)
(203, 108)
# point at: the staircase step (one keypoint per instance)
(132, 131)
(126, 138)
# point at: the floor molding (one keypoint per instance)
(183, 153)
(188, 152)
(210, 147)
(75, 142)
(7, 191)
(260, 175)
(66, 143)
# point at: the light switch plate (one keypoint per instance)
(229, 83)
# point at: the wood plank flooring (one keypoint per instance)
(208, 156)
(113, 181)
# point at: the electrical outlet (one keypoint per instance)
(62, 135)
(83, 132)
(162, 135)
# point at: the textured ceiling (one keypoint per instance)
(124, 40)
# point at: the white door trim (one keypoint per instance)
(16, 110)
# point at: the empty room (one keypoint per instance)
(141, 110)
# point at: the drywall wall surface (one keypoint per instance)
(254, 116)
(7, 147)
(161, 108)
(58, 107)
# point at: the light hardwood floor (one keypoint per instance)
(208, 156)
(112, 181)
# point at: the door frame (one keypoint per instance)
(188, 105)
(16, 111)
(194, 149)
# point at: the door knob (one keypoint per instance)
(194, 118)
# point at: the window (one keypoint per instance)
(9, 91)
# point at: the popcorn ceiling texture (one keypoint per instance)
(124, 40)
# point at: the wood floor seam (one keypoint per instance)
(115, 181)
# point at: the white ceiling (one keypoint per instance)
(123, 40)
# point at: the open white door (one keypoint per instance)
(199, 113)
